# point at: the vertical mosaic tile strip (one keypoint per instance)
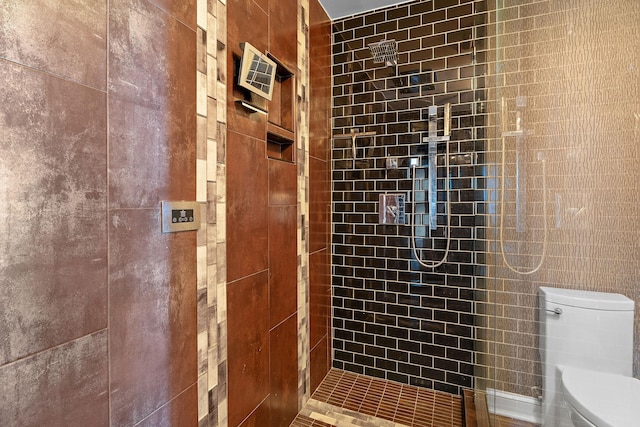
(210, 190)
(394, 319)
(202, 187)
(303, 204)
(218, 391)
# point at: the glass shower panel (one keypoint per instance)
(562, 171)
(562, 161)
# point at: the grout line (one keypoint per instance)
(443, 402)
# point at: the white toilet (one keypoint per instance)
(586, 348)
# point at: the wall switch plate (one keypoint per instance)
(180, 216)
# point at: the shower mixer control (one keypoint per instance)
(391, 209)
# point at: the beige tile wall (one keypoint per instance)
(578, 66)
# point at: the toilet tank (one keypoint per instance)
(590, 330)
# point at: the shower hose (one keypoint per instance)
(544, 216)
(422, 262)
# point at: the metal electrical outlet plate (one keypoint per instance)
(180, 216)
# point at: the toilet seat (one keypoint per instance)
(606, 400)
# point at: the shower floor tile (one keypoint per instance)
(346, 399)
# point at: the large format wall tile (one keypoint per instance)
(52, 224)
(319, 120)
(283, 260)
(152, 318)
(184, 10)
(319, 296)
(63, 386)
(260, 417)
(319, 192)
(247, 206)
(152, 104)
(284, 372)
(246, 22)
(56, 358)
(320, 362)
(283, 43)
(283, 183)
(180, 411)
(64, 38)
(320, 39)
(272, 26)
(248, 345)
(319, 204)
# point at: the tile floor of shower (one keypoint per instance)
(346, 399)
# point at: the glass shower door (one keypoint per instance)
(562, 168)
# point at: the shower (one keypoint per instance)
(403, 290)
(432, 140)
(519, 134)
(547, 201)
(385, 51)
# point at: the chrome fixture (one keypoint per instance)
(353, 135)
(521, 176)
(385, 51)
(432, 140)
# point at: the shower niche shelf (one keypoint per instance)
(280, 143)
(281, 117)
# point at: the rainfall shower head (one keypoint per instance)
(385, 51)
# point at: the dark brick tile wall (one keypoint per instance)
(393, 318)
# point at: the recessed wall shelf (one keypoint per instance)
(281, 107)
(281, 122)
(280, 143)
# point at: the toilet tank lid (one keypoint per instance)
(586, 299)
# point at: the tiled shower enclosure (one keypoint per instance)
(393, 318)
